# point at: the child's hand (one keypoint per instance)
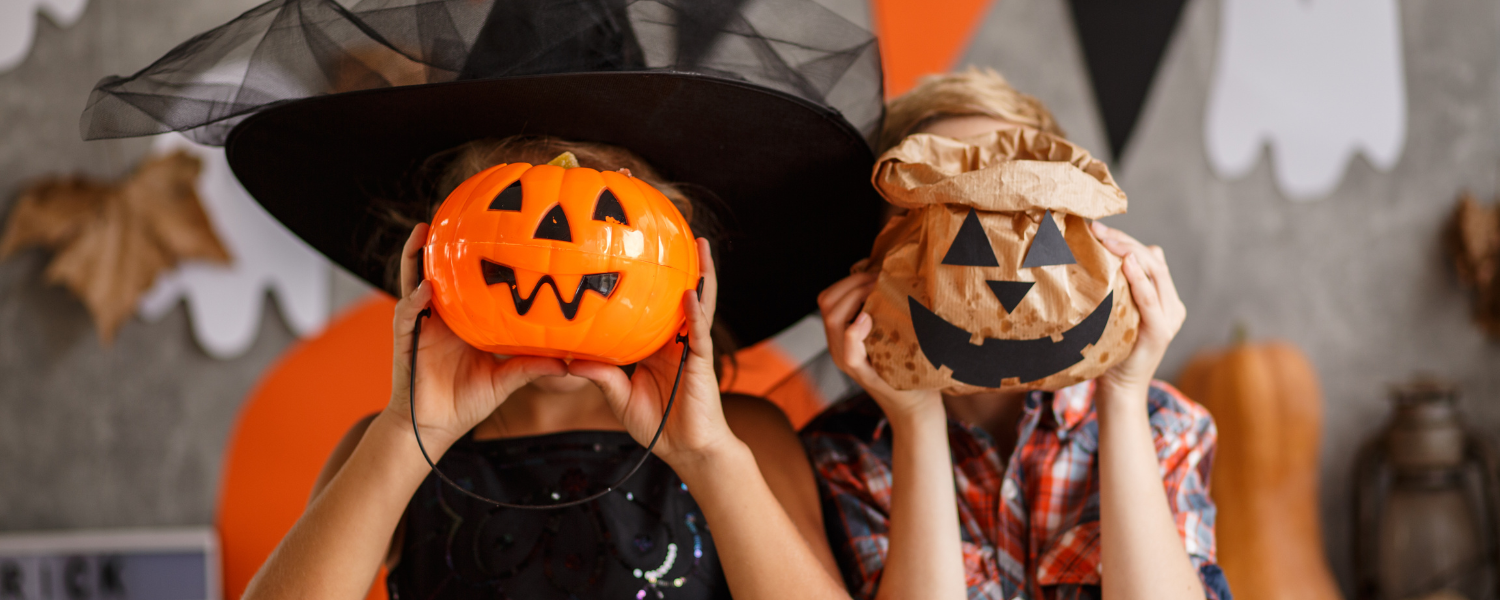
(1155, 298)
(846, 344)
(696, 426)
(457, 384)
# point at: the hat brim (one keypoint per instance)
(793, 176)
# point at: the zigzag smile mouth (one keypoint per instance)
(599, 283)
(990, 363)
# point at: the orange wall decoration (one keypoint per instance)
(920, 37)
(290, 423)
(765, 370)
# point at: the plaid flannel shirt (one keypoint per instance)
(1030, 527)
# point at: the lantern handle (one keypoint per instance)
(416, 335)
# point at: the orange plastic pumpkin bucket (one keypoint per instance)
(562, 262)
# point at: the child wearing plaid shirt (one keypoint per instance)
(1044, 487)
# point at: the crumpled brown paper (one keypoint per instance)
(111, 240)
(1010, 179)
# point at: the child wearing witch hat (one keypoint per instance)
(498, 472)
(1007, 344)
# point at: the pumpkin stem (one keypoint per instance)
(1239, 334)
(565, 160)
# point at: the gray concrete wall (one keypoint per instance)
(133, 434)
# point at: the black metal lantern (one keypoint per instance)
(1425, 504)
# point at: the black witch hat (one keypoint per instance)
(768, 104)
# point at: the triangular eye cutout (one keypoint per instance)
(554, 226)
(971, 247)
(608, 207)
(508, 198)
(1048, 248)
(1010, 293)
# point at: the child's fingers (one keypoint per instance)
(610, 379)
(856, 358)
(837, 292)
(410, 273)
(407, 310)
(710, 274)
(1142, 289)
(855, 335)
(1155, 287)
(699, 324)
(1117, 242)
(514, 373)
(1109, 234)
(836, 318)
(1161, 274)
(839, 310)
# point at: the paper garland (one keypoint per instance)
(1123, 43)
(225, 303)
(1317, 80)
(18, 25)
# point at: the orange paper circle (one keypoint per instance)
(289, 425)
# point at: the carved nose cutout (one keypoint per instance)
(971, 247)
(1048, 247)
(554, 226)
(1010, 293)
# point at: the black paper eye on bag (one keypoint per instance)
(1048, 247)
(971, 247)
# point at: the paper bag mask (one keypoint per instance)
(993, 278)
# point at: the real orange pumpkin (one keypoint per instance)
(1269, 410)
(562, 262)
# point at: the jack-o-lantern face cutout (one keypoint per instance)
(569, 263)
(993, 278)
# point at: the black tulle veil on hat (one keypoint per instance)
(768, 104)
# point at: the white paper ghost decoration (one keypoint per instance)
(18, 25)
(225, 303)
(1317, 80)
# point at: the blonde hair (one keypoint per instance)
(972, 92)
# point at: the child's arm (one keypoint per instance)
(337, 546)
(1142, 553)
(763, 552)
(925, 552)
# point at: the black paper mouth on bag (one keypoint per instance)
(995, 360)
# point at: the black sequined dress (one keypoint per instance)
(645, 540)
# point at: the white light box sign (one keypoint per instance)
(161, 564)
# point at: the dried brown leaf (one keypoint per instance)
(110, 241)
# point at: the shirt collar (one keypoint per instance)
(1070, 405)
